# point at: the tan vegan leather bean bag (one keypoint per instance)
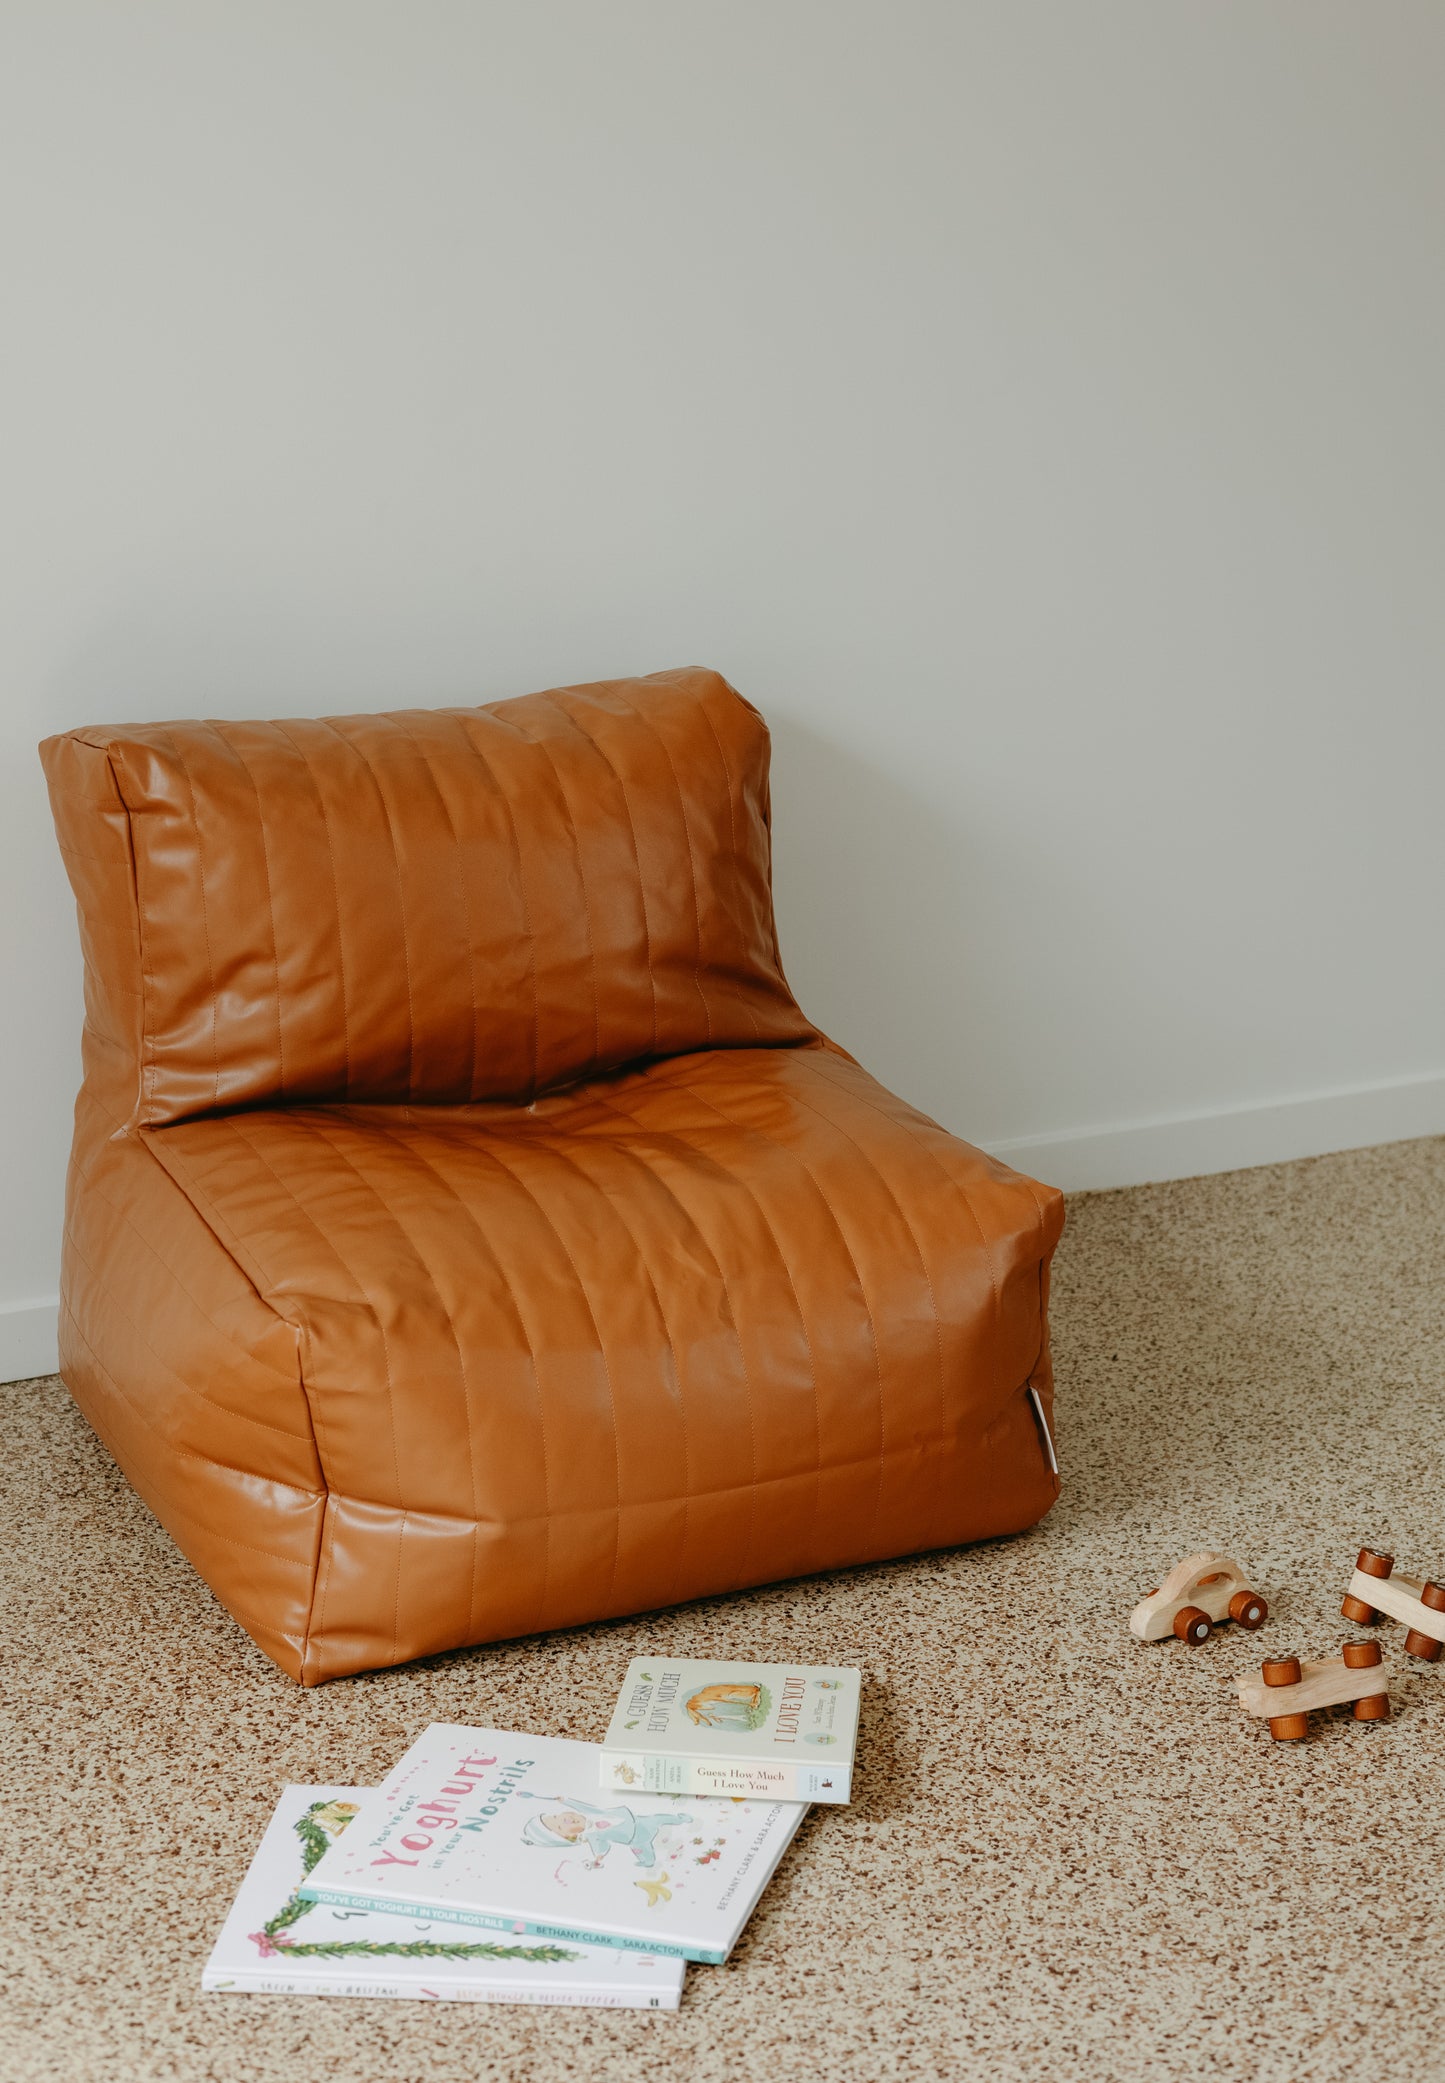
(467, 1232)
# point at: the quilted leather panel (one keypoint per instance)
(734, 1317)
(441, 905)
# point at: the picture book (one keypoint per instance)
(780, 1731)
(278, 1942)
(486, 1827)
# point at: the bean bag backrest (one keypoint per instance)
(431, 905)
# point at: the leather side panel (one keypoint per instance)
(193, 1383)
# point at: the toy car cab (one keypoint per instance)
(1194, 1598)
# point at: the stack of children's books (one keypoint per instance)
(497, 1867)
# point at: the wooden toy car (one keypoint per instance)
(1195, 1596)
(1289, 1690)
(1375, 1590)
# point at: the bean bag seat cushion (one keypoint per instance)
(467, 1233)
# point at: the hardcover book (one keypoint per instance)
(277, 1942)
(508, 1832)
(780, 1731)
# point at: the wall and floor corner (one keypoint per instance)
(1036, 410)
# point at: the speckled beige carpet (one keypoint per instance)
(1073, 1856)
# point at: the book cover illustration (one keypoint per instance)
(276, 1941)
(785, 1731)
(486, 1827)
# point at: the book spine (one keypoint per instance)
(440, 1991)
(753, 1779)
(402, 1906)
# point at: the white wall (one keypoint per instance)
(1036, 408)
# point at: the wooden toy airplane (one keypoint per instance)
(1195, 1596)
(1375, 1590)
(1288, 1690)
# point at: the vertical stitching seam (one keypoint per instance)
(733, 841)
(232, 1124)
(178, 757)
(297, 1120)
(853, 1144)
(147, 990)
(386, 1134)
(1043, 1268)
(601, 1353)
(325, 1543)
(390, 1134)
(374, 1129)
(356, 750)
(582, 1173)
(650, 726)
(335, 899)
(270, 903)
(747, 1129)
(585, 734)
(399, 723)
(316, 1624)
(527, 928)
(540, 745)
(695, 1151)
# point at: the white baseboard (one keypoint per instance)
(1185, 1146)
(27, 1338)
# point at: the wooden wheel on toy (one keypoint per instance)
(1374, 1707)
(1193, 1625)
(1417, 1642)
(1370, 1563)
(1285, 1670)
(1366, 1656)
(1248, 1610)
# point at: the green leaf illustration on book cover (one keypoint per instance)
(730, 1706)
(318, 1829)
